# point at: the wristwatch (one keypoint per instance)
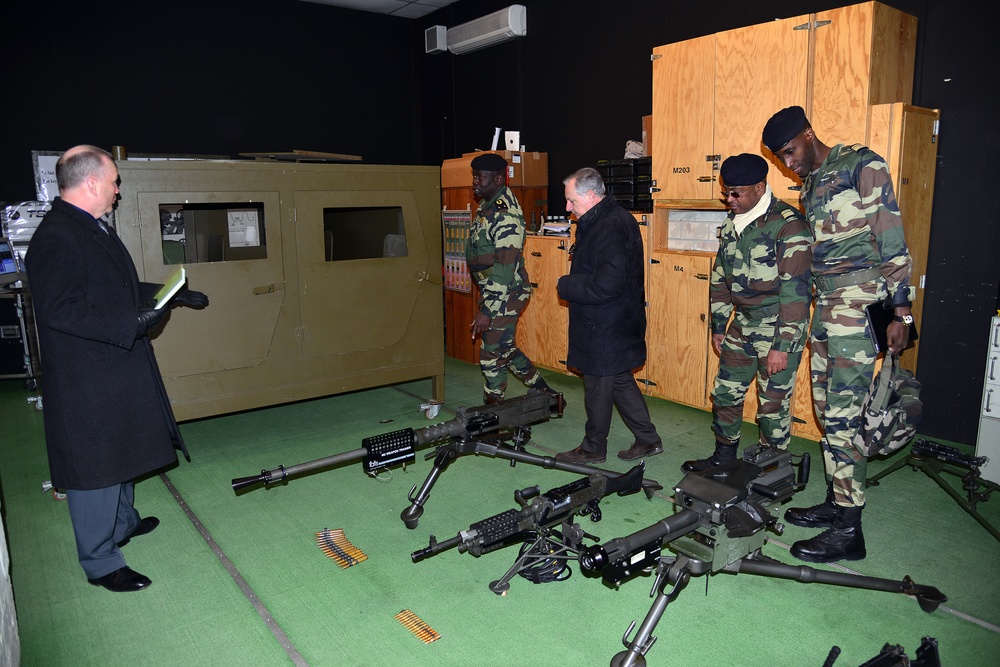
(907, 320)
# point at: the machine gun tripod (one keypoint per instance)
(934, 458)
(721, 529)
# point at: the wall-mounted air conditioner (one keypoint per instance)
(488, 30)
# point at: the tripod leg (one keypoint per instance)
(411, 515)
(873, 481)
(668, 572)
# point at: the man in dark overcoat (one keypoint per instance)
(607, 319)
(107, 416)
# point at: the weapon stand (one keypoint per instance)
(933, 459)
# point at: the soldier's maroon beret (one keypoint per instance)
(743, 169)
(489, 162)
(783, 126)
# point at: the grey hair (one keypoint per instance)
(75, 166)
(586, 179)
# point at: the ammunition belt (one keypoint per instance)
(831, 283)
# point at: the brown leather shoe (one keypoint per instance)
(640, 451)
(122, 580)
(579, 455)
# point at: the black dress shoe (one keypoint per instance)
(146, 525)
(122, 580)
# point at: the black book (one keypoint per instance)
(879, 314)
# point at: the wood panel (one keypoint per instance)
(683, 94)
(758, 70)
(543, 329)
(905, 136)
(864, 55)
(678, 326)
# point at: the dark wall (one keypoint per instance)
(209, 77)
(224, 77)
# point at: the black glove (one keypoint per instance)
(148, 318)
(189, 298)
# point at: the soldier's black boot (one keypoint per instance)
(817, 516)
(724, 453)
(842, 541)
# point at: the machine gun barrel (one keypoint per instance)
(398, 447)
(926, 449)
(596, 558)
(543, 512)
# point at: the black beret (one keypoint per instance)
(743, 169)
(489, 162)
(783, 126)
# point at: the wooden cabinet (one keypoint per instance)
(543, 329)
(906, 137)
(713, 95)
(678, 329)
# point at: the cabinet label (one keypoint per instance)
(682, 170)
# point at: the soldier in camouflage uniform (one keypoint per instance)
(494, 255)
(859, 258)
(762, 272)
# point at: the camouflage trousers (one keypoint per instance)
(743, 359)
(842, 366)
(499, 351)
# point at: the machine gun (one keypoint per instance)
(479, 430)
(721, 528)
(536, 522)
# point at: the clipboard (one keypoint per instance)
(878, 316)
(171, 288)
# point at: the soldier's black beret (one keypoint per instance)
(743, 169)
(489, 162)
(783, 126)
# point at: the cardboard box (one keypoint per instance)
(647, 134)
(524, 169)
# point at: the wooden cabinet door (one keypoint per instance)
(758, 70)
(683, 82)
(543, 329)
(677, 334)
(864, 55)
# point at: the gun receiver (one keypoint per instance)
(399, 447)
(535, 520)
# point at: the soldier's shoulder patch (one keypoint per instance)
(500, 204)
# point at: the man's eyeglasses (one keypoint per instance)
(735, 194)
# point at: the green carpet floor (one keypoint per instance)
(239, 579)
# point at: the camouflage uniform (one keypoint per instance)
(764, 274)
(494, 255)
(859, 257)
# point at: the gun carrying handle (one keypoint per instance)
(524, 496)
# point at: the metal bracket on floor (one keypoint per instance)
(933, 459)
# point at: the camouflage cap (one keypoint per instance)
(783, 126)
(743, 169)
(489, 162)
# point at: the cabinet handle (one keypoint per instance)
(996, 336)
(654, 261)
(706, 179)
(535, 253)
(989, 397)
(993, 367)
(701, 276)
(533, 285)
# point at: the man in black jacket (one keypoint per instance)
(607, 319)
(107, 416)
